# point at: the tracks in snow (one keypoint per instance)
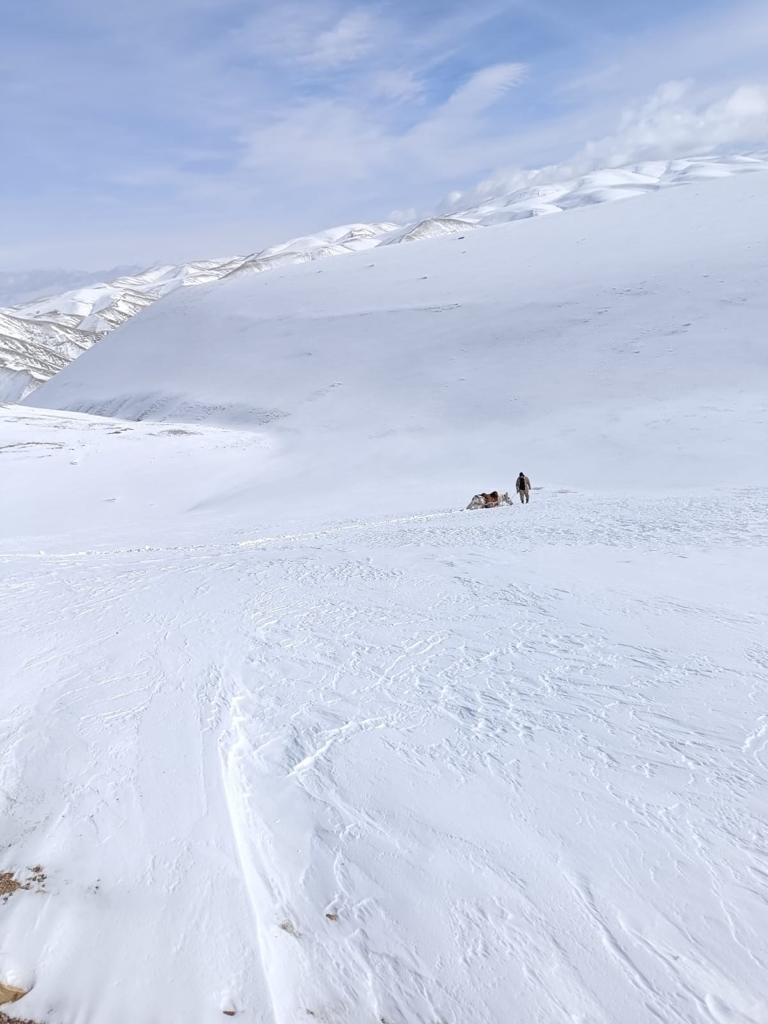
(230, 547)
(515, 770)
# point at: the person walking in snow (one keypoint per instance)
(523, 488)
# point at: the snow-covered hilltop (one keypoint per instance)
(544, 328)
(39, 338)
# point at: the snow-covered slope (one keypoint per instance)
(287, 736)
(600, 333)
(441, 766)
(39, 338)
(30, 351)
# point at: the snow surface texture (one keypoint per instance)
(39, 338)
(287, 736)
(497, 767)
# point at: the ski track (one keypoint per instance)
(518, 756)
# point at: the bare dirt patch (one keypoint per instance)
(34, 881)
(8, 885)
(5, 1019)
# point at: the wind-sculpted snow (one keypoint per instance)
(490, 766)
(30, 355)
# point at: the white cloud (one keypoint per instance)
(675, 120)
(321, 35)
(328, 137)
(349, 39)
(396, 84)
(314, 141)
(483, 89)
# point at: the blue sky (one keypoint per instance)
(171, 129)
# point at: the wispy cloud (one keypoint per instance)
(170, 128)
(351, 38)
(323, 35)
(483, 89)
(397, 84)
(351, 140)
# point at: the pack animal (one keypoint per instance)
(491, 499)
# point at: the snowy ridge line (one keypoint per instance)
(39, 338)
(202, 549)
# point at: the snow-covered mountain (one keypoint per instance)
(38, 338)
(19, 287)
(288, 736)
(523, 324)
